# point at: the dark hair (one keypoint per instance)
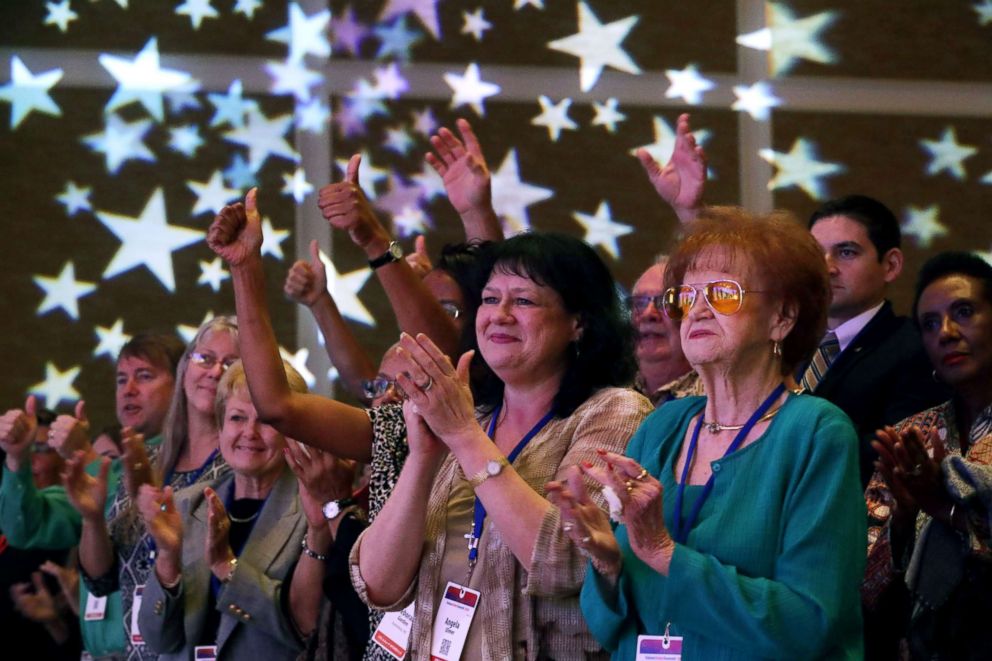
(159, 349)
(953, 263)
(45, 417)
(464, 263)
(113, 432)
(779, 253)
(603, 355)
(878, 220)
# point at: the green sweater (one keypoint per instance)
(44, 518)
(773, 565)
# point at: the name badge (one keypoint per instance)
(136, 638)
(205, 653)
(454, 617)
(96, 607)
(659, 648)
(393, 632)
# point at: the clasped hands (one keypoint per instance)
(915, 478)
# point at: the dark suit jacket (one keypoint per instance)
(883, 376)
(253, 623)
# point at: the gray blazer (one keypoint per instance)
(253, 623)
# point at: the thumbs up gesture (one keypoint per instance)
(306, 282)
(69, 433)
(418, 259)
(345, 207)
(17, 430)
(236, 233)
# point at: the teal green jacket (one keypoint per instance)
(44, 518)
(772, 567)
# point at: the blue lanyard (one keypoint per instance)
(682, 528)
(480, 509)
(168, 482)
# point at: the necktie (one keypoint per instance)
(825, 354)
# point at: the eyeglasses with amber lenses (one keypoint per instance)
(722, 296)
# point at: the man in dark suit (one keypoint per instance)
(877, 372)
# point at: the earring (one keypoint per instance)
(776, 348)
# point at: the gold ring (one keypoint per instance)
(643, 474)
(430, 384)
(630, 485)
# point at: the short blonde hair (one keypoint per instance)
(235, 381)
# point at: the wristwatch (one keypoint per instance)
(332, 509)
(393, 254)
(492, 468)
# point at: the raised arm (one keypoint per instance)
(88, 495)
(680, 183)
(236, 235)
(306, 283)
(345, 207)
(467, 181)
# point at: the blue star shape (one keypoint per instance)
(397, 39)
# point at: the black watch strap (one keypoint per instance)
(393, 254)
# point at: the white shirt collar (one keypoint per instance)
(848, 330)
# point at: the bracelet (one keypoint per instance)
(310, 552)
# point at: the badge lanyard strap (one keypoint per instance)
(682, 528)
(168, 480)
(480, 509)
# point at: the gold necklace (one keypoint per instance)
(716, 427)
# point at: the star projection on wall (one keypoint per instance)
(129, 125)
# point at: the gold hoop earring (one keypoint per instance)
(776, 348)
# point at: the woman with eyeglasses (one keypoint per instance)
(116, 552)
(929, 500)
(740, 513)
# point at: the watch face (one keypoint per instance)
(493, 467)
(331, 509)
(396, 250)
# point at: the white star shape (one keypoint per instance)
(947, 154)
(607, 114)
(399, 140)
(26, 92)
(142, 79)
(305, 35)
(470, 89)
(121, 142)
(299, 362)
(63, 291)
(110, 340)
(664, 140)
(212, 195)
(296, 184)
(57, 386)
(409, 221)
(272, 240)
(554, 116)
(429, 181)
(75, 198)
(756, 100)
(197, 10)
(185, 139)
(800, 167)
(344, 290)
(984, 11)
(312, 116)
(687, 84)
(148, 241)
(601, 230)
(597, 46)
(987, 179)
(426, 11)
(424, 122)
(512, 196)
(212, 273)
(292, 78)
(60, 14)
(389, 82)
(368, 174)
(231, 107)
(264, 138)
(520, 4)
(247, 7)
(923, 224)
(790, 39)
(475, 24)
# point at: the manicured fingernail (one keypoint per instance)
(587, 464)
(600, 451)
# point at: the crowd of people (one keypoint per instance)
(751, 456)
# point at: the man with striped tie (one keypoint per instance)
(871, 362)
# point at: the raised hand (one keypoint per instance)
(322, 478)
(418, 259)
(34, 601)
(236, 233)
(585, 523)
(463, 169)
(86, 493)
(135, 462)
(306, 282)
(68, 434)
(163, 522)
(681, 181)
(17, 430)
(345, 207)
(218, 547)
